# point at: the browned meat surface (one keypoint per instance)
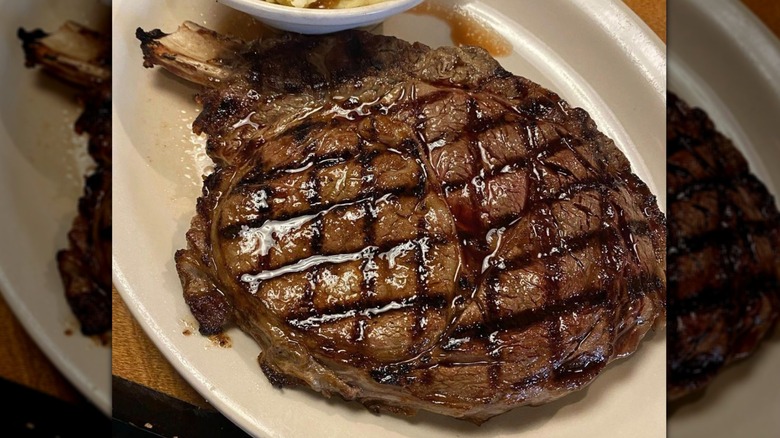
(83, 57)
(411, 228)
(724, 264)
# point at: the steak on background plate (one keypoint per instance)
(412, 228)
(724, 264)
(82, 57)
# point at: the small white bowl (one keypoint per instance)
(319, 21)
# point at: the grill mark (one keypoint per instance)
(574, 244)
(605, 254)
(732, 318)
(565, 194)
(681, 141)
(625, 233)
(417, 104)
(566, 140)
(642, 285)
(317, 162)
(318, 223)
(516, 164)
(310, 318)
(307, 264)
(491, 292)
(470, 131)
(710, 299)
(475, 126)
(422, 181)
(525, 319)
(552, 270)
(231, 232)
(421, 272)
(307, 300)
(368, 281)
(491, 347)
(688, 245)
(585, 186)
(718, 183)
(316, 241)
(674, 169)
(587, 299)
(552, 265)
(491, 296)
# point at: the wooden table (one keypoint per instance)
(21, 361)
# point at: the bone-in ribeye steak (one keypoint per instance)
(408, 227)
(724, 264)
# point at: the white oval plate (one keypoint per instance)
(596, 54)
(42, 163)
(724, 60)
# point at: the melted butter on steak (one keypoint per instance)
(412, 228)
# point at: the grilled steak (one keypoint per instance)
(410, 228)
(83, 57)
(724, 268)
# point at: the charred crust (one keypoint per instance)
(149, 37)
(32, 36)
(211, 311)
(93, 311)
(277, 379)
(391, 374)
(149, 44)
(29, 43)
(90, 303)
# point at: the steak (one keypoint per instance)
(82, 57)
(408, 227)
(724, 268)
